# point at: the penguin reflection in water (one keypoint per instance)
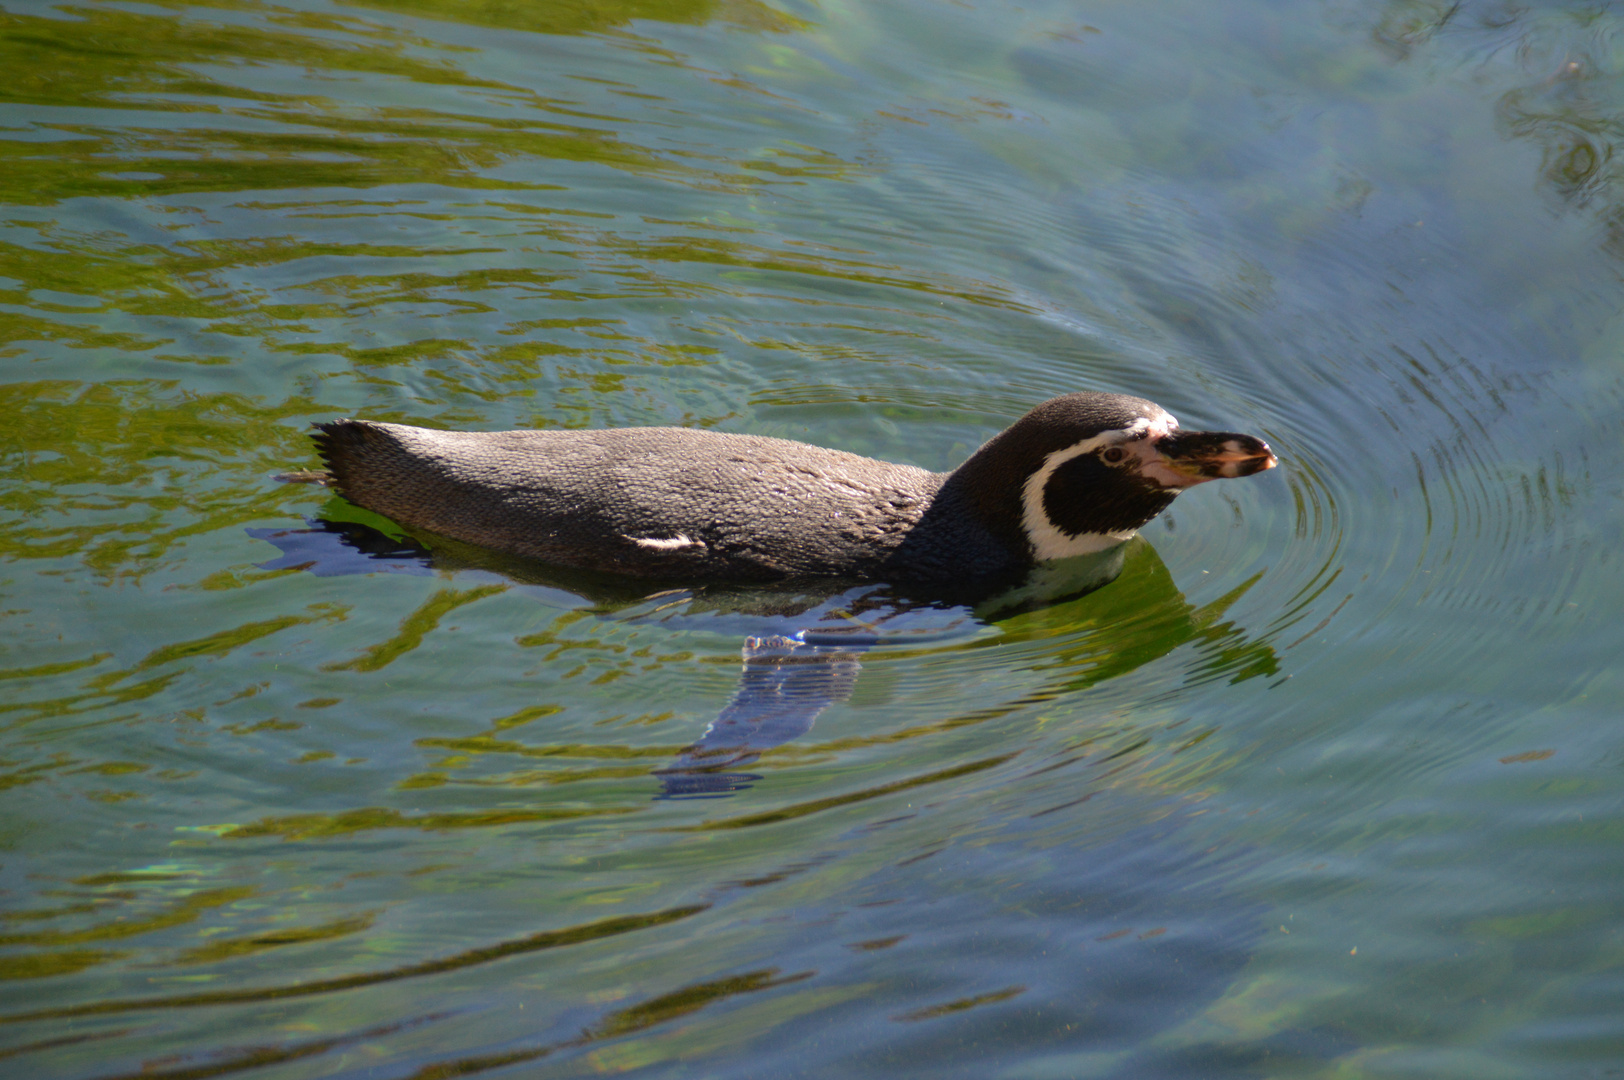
(1077, 476)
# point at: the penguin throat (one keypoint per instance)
(1075, 504)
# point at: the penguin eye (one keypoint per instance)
(1113, 455)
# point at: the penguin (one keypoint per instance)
(1079, 474)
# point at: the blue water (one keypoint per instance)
(1325, 783)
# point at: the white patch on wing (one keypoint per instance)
(678, 542)
(1049, 541)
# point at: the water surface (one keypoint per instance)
(1325, 783)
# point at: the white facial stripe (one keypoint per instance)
(1049, 541)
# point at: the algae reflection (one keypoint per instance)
(193, 70)
(804, 646)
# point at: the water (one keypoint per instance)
(1325, 783)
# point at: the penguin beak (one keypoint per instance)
(1187, 458)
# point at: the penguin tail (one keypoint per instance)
(344, 446)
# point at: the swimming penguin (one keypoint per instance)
(1076, 475)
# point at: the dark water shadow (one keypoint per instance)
(804, 641)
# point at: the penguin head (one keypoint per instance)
(1083, 472)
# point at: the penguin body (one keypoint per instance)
(1076, 475)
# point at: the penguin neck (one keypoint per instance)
(988, 489)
